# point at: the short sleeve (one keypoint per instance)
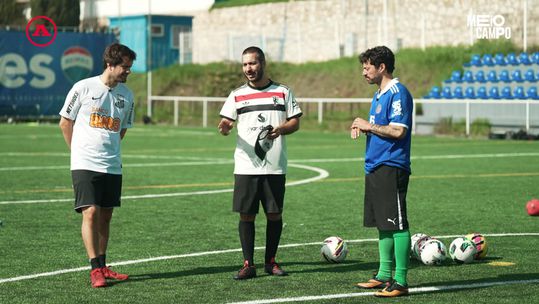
(229, 108)
(401, 109)
(292, 106)
(127, 122)
(72, 103)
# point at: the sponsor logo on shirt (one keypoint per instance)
(397, 108)
(104, 122)
(72, 102)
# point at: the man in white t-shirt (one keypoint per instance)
(265, 111)
(94, 119)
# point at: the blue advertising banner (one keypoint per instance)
(35, 80)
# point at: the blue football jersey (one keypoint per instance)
(391, 106)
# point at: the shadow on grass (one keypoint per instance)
(290, 267)
(485, 282)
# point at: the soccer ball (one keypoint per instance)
(418, 246)
(334, 249)
(413, 241)
(480, 244)
(433, 252)
(462, 250)
(532, 207)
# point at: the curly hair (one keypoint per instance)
(114, 54)
(378, 55)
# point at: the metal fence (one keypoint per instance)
(526, 118)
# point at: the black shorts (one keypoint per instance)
(249, 190)
(385, 199)
(96, 188)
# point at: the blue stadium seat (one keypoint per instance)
(512, 59)
(480, 77)
(519, 93)
(491, 76)
(499, 59)
(504, 76)
(535, 58)
(524, 59)
(456, 77)
(506, 93)
(482, 93)
(457, 93)
(532, 93)
(530, 76)
(487, 60)
(468, 77)
(493, 93)
(476, 60)
(469, 93)
(516, 76)
(435, 92)
(446, 93)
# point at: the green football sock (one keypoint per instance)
(385, 249)
(402, 255)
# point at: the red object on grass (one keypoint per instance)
(533, 207)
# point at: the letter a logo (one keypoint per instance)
(41, 30)
(38, 34)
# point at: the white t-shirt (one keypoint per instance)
(253, 109)
(100, 113)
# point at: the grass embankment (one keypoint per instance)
(341, 78)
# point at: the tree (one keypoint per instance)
(63, 12)
(12, 13)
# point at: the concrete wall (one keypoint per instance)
(319, 30)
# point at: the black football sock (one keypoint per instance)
(95, 263)
(102, 259)
(273, 236)
(247, 239)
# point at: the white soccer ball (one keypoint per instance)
(462, 250)
(334, 249)
(433, 252)
(413, 241)
(418, 246)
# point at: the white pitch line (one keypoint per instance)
(220, 161)
(205, 253)
(321, 175)
(411, 290)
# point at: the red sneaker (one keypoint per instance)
(97, 278)
(272, 268)
(109, 274)
(246, 272)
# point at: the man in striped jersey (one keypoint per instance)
(264, 111)
(387, 168)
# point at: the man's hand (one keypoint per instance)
(225, 125)
(359, 125)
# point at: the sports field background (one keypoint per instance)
(177, 237)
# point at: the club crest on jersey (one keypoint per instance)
(261, 118)
(275, 101)
(378, 109)
(120, 101)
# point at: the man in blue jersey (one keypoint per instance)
(387, 170)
